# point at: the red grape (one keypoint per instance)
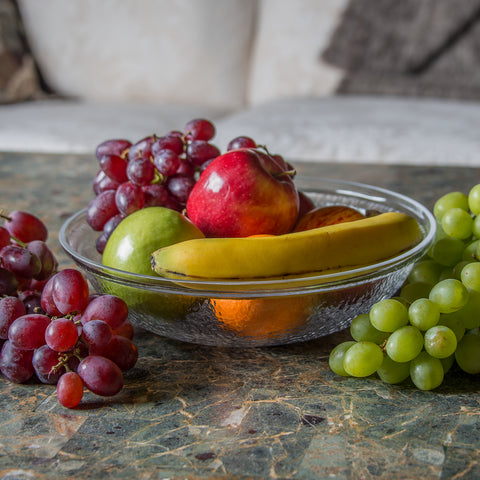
(180, 187)
(185, 168)
(47, 259)
(156, 195)
(31, 299)
(129, 198)
(120, 350)
(46, 300)
(70, 389)
(112, 147)
(8, 282)
(25, 226)
(109, 308)
(115, 167)
(70, 291)
(10, 309)
(166, 162)
(112, 224)
(199, 129)
(97, 333)
(28, 331)
(47, 365)
(4, 237)
(173, 143)
(142, 149)
(20, 261)
(241, 142)
(101, 209)
(200, 151)
(141, 171)
(102, 183)
(100, 375)
(61, 335)
(124, 330)
(101, 242)
(16, 363)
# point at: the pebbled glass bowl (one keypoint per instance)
(265, 312)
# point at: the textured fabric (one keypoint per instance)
(18, 74)
(285, 58)
(190, 52)
(60, 126)
(408, 47)
(362, 130)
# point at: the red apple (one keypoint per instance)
(330, 215)
(244, 192)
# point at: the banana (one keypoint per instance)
(344, 245)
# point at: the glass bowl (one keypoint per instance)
(263, 312)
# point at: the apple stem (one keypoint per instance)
(290, 173)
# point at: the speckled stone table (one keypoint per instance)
(193, 412)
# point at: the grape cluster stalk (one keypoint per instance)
(156, 171)
(434, 322)
(51, 328)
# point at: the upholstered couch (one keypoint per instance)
(124, 68)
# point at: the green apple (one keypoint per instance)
(130, 247)
(132, 243)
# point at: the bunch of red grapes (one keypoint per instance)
(155, 171)
(51, 327)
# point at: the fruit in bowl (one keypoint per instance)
(129, 249)
(244, 192)
(253, 257)
(130, 246)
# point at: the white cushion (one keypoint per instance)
(78, 127)
(286, 59)
(362, 129)
(193, 52)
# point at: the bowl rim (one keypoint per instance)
(277, 286)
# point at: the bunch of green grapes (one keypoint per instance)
(434, 322)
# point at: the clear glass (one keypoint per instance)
(264, 312)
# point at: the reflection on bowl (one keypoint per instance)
(262, 312)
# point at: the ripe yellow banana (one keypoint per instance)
(344, 245)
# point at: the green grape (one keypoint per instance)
(440, 341)
(447, 272)
(414, 291)
(474, 199)
(457, 223)
(423, 314)
(447, 363)
(468, 353)
(470, 252)
(361, 329)
(476, 226)
(404, 344)
(449, 201)
(454, 322)
(457, 269)
(450, 295)
(389, 314)
(470, 276)
(335, 359)
(393, 372)
(448, 251)
(439, 234)
(470, 313)
(363, 359)
(426, 371)
(425, 271)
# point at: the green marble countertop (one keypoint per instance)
(194, 412)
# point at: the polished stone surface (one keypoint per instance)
(194, 412)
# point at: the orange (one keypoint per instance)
(262, 317)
